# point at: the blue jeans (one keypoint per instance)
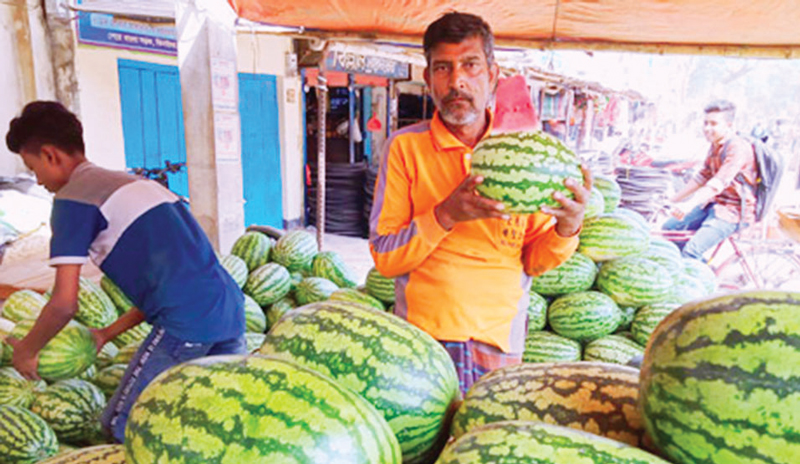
(158, 352)
(710, 231)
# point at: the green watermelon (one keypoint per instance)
(628, 313)
(615, 349)
(268, 284)
(278, 309)
(16, 390)
(380, 287)
(296, 278)
(72, 408)
(254, 341)
(537, 312)
(295, 251)
(118, 297)
(253, 248)
(594, 397)
(576, 274)
(126, 353)
(314, 289)
(236, 267)
(95, 308)
(634, 216)
(596, 205)
(524, 442)
(612, 193)
(135, 334)
(100, 454)
(406, 374)
(666, 254)
(611, 236)
(105, 356)
(524, 169)
(23, 304)
(720, 381)
(25, 438)
(253, 409)
(635, 281)
(647, 319)
(6, 327)
(329, 265)
(688, 288)
(88, 374)
(66, 355)
(354, 296)
(108, 379)
(701, 271)
(543, 347)
(584, 316)
(255, 320)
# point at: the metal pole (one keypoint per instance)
(322, 107)
(351, 115)
(390, 114)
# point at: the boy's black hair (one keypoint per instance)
(454, 28)
(42, 123)
(724, 107)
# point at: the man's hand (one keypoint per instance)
(465, 204)
(569, 217)
(25, 361)
(100, 338)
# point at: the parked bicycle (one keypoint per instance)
(161, 175)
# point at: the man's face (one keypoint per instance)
(716, 127)
(461, 81)
(46, 168)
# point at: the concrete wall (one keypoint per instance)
(12, 100)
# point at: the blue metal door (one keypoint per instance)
(152, 119)
(261, 150)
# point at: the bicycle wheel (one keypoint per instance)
(768, 270)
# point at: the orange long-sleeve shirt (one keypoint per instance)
(467, 283)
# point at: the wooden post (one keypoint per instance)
(322, 107)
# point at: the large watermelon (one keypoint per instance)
(596, 204)
(253, 409)
(701, 271)
(666, 254)
(401, 370)
(16, 390)
(108, 379)
(611, 236)
(354, 296)
(268, 284)
(95, 308)
(584, 316)
(721, 380)
(524, 169)
(576, 274)
(254, 341)
(121, 301)
(278, 309)
(25, 438)
(687, 288)
(313, 290)
(329, 265)
(254, 317)
(23, 304)
(380, 287)
(105, 357)
(295, 251)
(253, 248)
(647, 319)
(135, 334)
(528, 442)
(66, 355)
(72, 408)
(598, 398)
(537, 311)
(126, 353)
(236, 267)
(542, 347)
(634, 216)
(635, 281)
(612, 193)
(616, 349)
(100, 454)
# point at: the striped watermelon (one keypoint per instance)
(611, 236)
(88, 374)
(584, 316)
(25, 438)
(295, 251)
(236, 267)
(268, 284)
(101, 454)
(701, 271)
(95, 308)
(296, 278)
(253, 409)
(354, 296)
(666, 254)
(329, 265)
(135, 334)
(647, 319)
(598, 398)
(253, 248)
(72, 408)
(16, 390)
(612, 193)
(537, 312)
(6, 327)
(254, 341)
(543, 347)
(255, 320)
(635, 281)
(118, 297)
(628, 313)
(105, 356)
(380, 287)
(720, 380)
(278, 309)
(108, 379)
(688, 288)
(23, 304)
(524, 169)
(527, 442)
(314, 289)
(126, 353)
(615, 349)
(576, 274)
(596, 205)
(66, 355)
(634, 216)
(401, 370)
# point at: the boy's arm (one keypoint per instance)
(56, 314)
(127, 321)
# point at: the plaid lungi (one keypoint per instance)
(473, 359)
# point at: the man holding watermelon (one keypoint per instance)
(462, 264)
(144, 239)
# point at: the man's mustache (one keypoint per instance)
(455, 94)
